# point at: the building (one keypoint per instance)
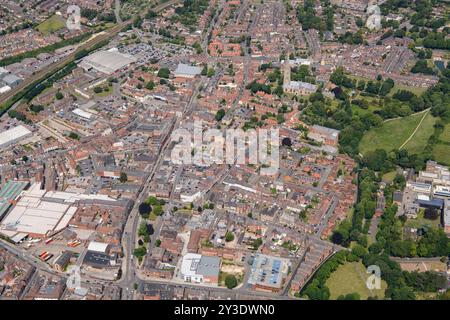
(9, 193)
(296, 87)
(447, 217)
(107, 62)
(11, 80)
(13, 136)
(200, 269)
(62, 261)
(268, 273)
(39, 213)
(187, 71)
(324, 135)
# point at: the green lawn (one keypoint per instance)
(416, 90)
(420, 138)
(441, 153)
(52, 24)
(420, 221)
(392, 134)
(389, 176)
(445, 136)
(351, 277)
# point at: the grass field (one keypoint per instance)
(389, 177)
(416, 90)
(351, 277)
(392, 134)
(441, 153)
(52, 24)
(445, 136)
(420, 138)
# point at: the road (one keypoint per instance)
(129, 235)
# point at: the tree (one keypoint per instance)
(123, 177)
(231, 281)
(59, 95)
(144, 209)
(140, 252)
(164, 73)
(286, 142)
(98, 89)
(150, 85)
(220, 114)
(229, 236)
(157, 210)
(431, 214)
(73, 135)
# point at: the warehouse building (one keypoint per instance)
(39, 213)
(9, 193)
(13, 136)
(107, 62)
(187, 71)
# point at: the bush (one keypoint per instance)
(230, 281)
(229, 236)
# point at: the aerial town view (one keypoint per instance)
(225, 150)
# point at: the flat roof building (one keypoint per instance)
(200, 269)
(268, 273)
(187, 71)
(13, 136)
(107, 62)
(9, 192)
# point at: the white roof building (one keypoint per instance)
(107, 62)
(187, 71)
(98, 246)
(14, 135)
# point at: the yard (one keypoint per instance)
(394, 133)
(421, 221)
(52, 24)
(349, 278)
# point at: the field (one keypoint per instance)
(445, 136)
(52, 24)
(349, 278)
(420, 138)
(389, 177)
(441, 153)
(394, 133)
(416, 90)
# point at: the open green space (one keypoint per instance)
(52, 24)
(389, 177)
(445, 135)
(441, 153)
(420, 221)
(350, 278)
(420, 138)
(392, 134)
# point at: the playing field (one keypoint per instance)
(393, 134)
(351, 277)
(52, 24)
